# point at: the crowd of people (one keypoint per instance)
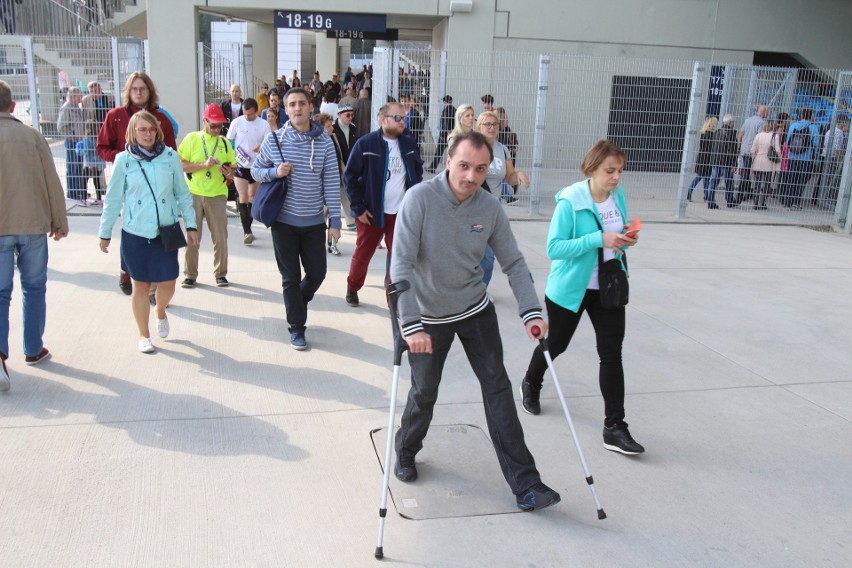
(774, 157)
(442, 234)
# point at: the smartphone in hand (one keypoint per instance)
(633, 228)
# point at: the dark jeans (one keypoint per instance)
(294, 246)
(439, 152)
(609, 333)
(75, 183)
(480, 337)
(705, 180)
(762, 180)
(798, 174)
(718, 173)
(745, 190)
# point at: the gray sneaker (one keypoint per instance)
(5, 383)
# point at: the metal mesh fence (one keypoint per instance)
(559, 105)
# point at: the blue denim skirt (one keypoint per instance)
(146, 260)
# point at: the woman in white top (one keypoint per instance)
(763, 167)
(246, 134)
(464, 122)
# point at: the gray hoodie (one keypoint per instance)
(438, 246)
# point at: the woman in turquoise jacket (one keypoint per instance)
(590, 215)
(147, 180)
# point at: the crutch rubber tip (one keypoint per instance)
(601, 516)
(379, 553)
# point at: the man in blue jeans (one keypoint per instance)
(440, 236)
(32, 205)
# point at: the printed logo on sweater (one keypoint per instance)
(477, 228)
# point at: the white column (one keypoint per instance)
(326, 56)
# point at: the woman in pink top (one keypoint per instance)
(764, 166)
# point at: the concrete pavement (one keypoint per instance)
(228, 448)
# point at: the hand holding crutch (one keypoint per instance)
(536, 331)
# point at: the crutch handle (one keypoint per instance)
(536, 331)
(393, 290)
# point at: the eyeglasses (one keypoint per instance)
(216, 125)
(139, 89)
(490, 124)
(347, 114)
(146, 130)
(396, 117)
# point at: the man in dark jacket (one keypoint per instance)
(381, 167)
(233, 107)
(724, 160)
(344, 131)
(448, 117)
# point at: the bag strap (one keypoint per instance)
(156, 208)
(623, 258)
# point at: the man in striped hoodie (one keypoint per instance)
(307, 159)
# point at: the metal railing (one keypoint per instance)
(559, 105)
(62, 18)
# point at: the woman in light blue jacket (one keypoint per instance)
(147, 180)
(590, 215)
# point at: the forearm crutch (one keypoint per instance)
(536, 331)
(400, 346)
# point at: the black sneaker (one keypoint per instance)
(618, 439)
(529, 398)
(352, 298)
(404, 468)
(221, 281)
(188, 283)
(298, 341)
(125, 284)
(538, 496)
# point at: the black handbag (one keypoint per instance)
(771, 153)
(612, 279)
(171, 236)
(270, 196)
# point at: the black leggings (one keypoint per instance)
(609, 332)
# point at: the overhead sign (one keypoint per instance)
(390, 35)
(319, 21)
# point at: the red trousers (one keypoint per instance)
(369, 237)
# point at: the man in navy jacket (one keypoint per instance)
(382, 165)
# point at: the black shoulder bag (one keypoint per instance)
(772, 154)
(170, 235)
(612, 279)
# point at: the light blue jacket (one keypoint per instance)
(573, 242)
(128, 187)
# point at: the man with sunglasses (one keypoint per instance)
(208, 162)
(382, 165)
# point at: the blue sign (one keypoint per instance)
(714, 91)
(320, 21)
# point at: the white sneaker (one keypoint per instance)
(248, 239)
(163, 327)
(145, 345)
(5, 384)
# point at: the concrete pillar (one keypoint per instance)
(262, 37)
(173, 29)
(326, 56)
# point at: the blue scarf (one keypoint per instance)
(141, 153)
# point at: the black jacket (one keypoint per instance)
(344, 144)
(226, 108)
(725, 148)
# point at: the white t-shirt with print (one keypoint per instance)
(395, 178)
(610, 218)
(247, 135)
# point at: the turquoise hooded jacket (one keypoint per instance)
(573, 242)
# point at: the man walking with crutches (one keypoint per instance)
(442, 229)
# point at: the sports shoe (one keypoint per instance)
(298, 341)
(82, 202)
(145, 345)
(352, 298)
(43, 355)
(530, 398)
(188, 283)
(152, 299)
(248, 239)
(222, 282)
(331, 247)
(5, 384)
(125, 284)
(538, 496)
(618, 439)
(404, 469)
(163, 327)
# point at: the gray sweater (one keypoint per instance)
(438, 246)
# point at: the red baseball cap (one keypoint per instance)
(214, 114)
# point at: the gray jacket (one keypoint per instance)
(438, 246)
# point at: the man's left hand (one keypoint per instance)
(58, 235)
(335, 234)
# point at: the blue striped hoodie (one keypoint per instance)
(314, 180)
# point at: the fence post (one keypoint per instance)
(35, 113)
(202, 83)
(693, 119)
(146, 54)
(538, 136)
(394, 76)
(381, 77)
(116, 69)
